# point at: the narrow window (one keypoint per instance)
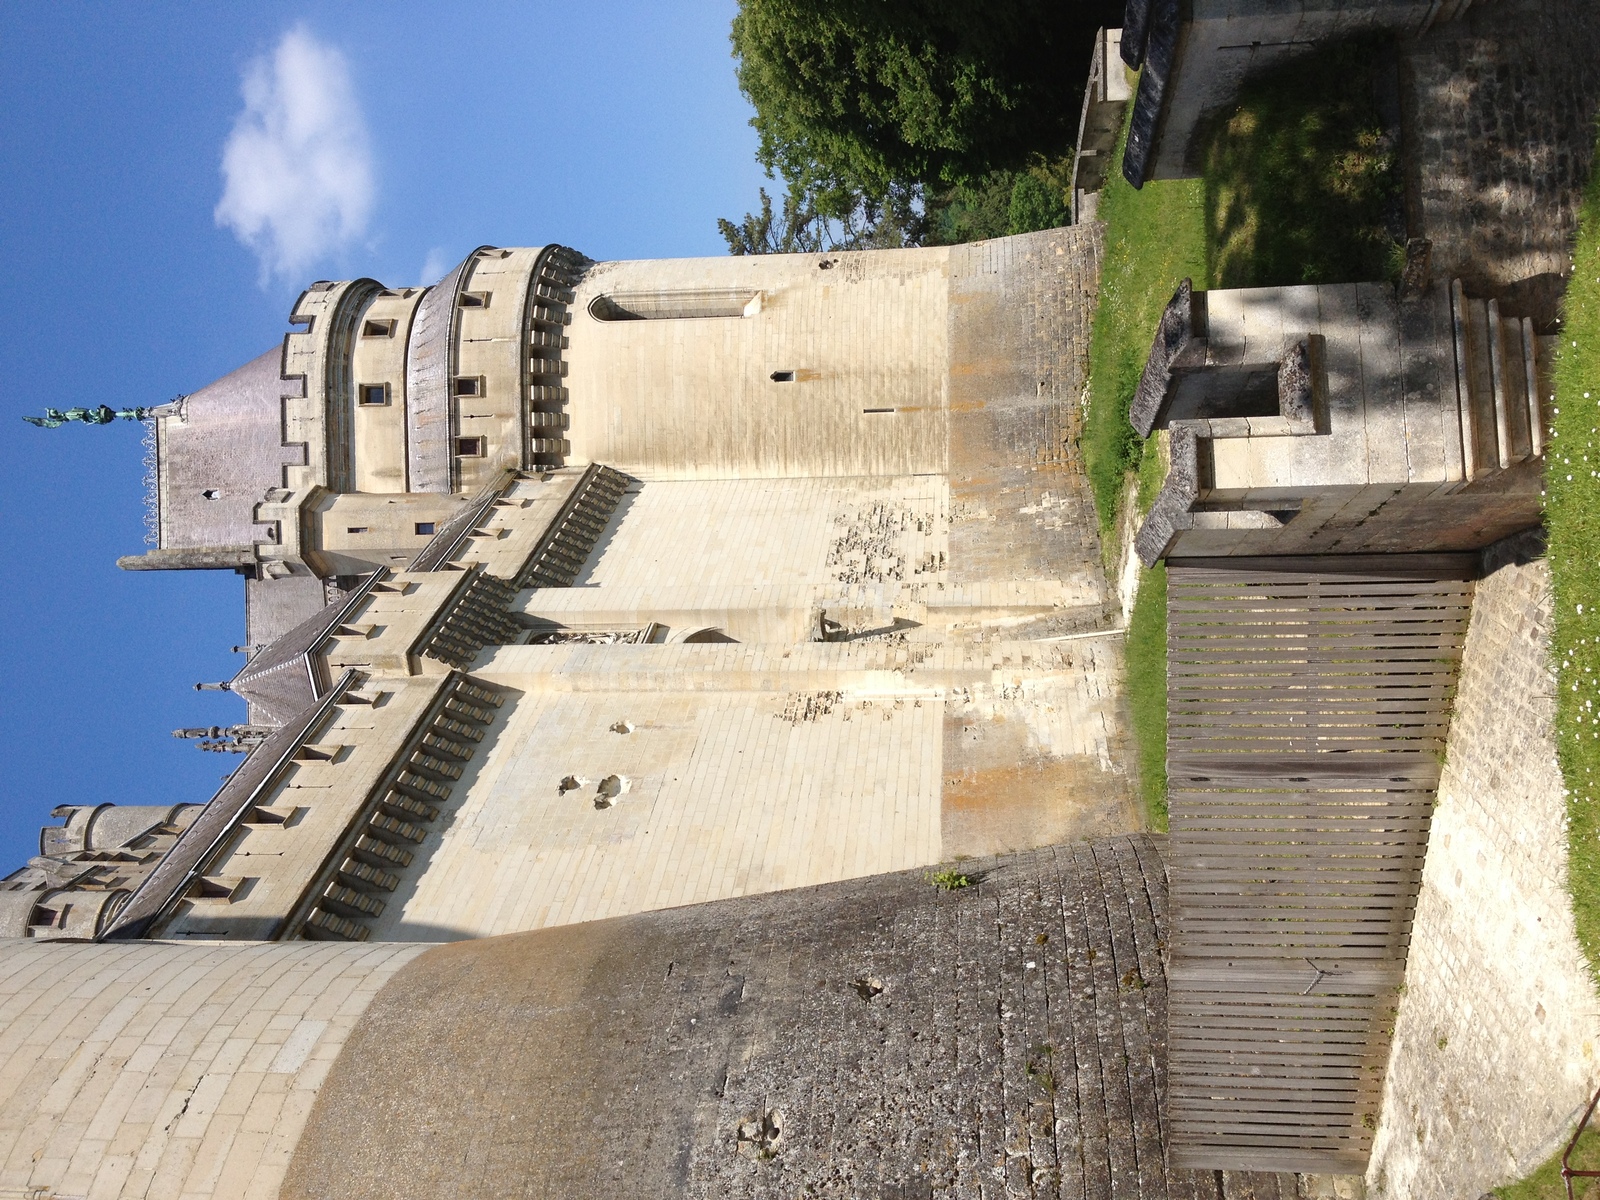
(870, 411)
(783, 377)
(355, 529)
(469, 385)
(369, 394)
(212, 494)
(425, 527)
(475, 299)
(469, 447)
(377, 329)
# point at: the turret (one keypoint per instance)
(348, 448)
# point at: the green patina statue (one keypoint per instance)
(54, 418)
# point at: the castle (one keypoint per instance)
(576, 592)
(578, 589)
(687, 747)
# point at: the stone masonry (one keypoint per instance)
(1495, 1043)
(872, 1038)
(1503, 102)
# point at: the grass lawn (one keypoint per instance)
(1154, 239)
(1572, 512)
(1147, 691)
(1301, 181)
(1545, 1183)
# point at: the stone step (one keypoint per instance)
(1499, 387)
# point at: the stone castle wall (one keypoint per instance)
(1495, 1047)
(168, 1071)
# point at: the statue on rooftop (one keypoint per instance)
(54, 418)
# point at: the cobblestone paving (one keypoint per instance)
(876, 1038)
(1502, 103)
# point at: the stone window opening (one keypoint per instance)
(676, 305)
(377, 329)
(470, 447)
(355, 529)
(783, 377)
(475, 299)
(425, 528)
(372, 395)
(468, 385)
(212, 494)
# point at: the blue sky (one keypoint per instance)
(613, 128)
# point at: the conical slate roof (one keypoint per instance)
(221, 456)
(288, 677)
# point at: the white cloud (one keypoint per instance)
(434, 267)
(297, 168)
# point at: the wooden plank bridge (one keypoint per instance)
(1308, 705)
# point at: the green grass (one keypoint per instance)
(1545, 1183)
(1154, 239)
(1147, 691)
(1572, 513)
(1300, 175)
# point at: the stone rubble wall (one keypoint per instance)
(1495, 1043)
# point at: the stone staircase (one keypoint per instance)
(1501, 389)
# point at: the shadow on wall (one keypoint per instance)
(607, 535)
(385, 928)
(703, 636)
(417, 931)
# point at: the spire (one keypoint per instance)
(54, 418)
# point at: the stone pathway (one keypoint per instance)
(1500, 109)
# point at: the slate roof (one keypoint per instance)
(229, 443)
(196, 845)
(287, 677)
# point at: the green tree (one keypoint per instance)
(817, 217)
(910, 123)
(936, 92)
(1035, 204)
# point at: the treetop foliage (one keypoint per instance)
(932, 92)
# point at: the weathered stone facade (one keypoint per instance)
(876, 1037)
